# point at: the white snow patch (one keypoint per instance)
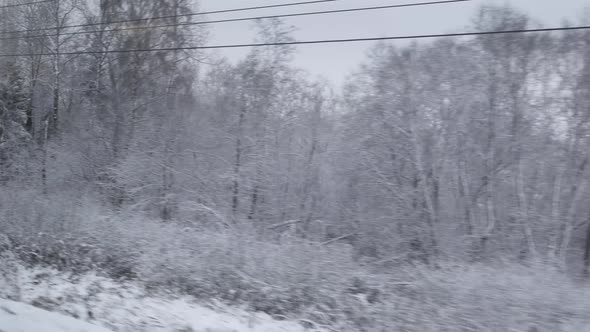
(125, 307)
(20, 317)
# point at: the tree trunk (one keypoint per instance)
(238, 163)
(587, 252)
(53, 120)
(555, 216)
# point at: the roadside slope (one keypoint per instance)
(20, 317)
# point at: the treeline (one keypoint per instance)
(471, 149)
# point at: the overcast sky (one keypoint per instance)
(336, 61)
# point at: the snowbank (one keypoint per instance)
(19, 317)
(126, 307)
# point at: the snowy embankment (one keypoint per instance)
(112, 306)
(20, 317)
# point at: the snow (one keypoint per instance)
(126, 307)
(20, 317)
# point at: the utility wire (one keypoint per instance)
(231, 10)
(25, 4)
(252, 18)
(309, 42)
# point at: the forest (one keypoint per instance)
(444, 187)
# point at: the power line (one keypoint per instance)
(241, 19)
(231, 10)
(310, 42)
(25, 4)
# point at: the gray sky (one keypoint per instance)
(336, 61)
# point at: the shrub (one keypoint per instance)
(319, 284)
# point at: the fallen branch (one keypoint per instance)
(390, 259)
(316, 326)
(285, 223)
(401, 283)
(337, 239)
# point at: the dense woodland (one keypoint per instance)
(470, 150)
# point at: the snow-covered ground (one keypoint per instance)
(121, 307)
(20, 317)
